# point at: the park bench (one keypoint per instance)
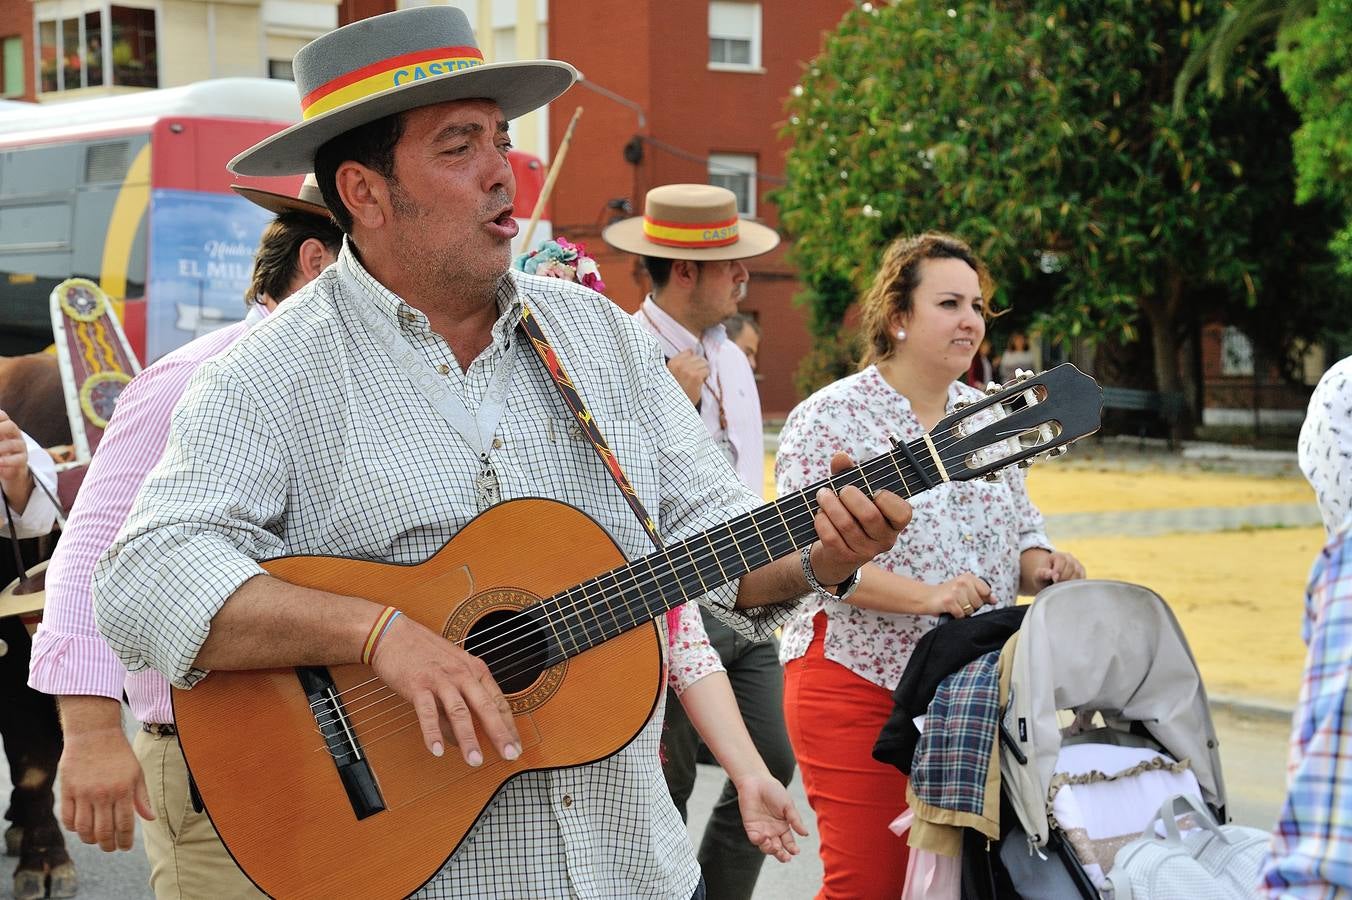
(1166, 407)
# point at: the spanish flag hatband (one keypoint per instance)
(691, 221)
(388, 64)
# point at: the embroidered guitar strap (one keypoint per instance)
(573, 400)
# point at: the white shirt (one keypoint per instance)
(731, 386)
(39, 514)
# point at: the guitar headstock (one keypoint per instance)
(1031, 416)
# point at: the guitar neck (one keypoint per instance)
(640, 591)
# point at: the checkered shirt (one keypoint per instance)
(954, 751)
(306, 439)
(1311, 854)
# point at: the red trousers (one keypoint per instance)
(834, 717)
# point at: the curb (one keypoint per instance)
(1258, 709)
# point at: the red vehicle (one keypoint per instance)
(131, 191)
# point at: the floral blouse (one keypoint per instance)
(974, 526)
(690, 655)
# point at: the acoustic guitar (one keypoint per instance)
(317, 778)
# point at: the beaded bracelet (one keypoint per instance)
(382, 625)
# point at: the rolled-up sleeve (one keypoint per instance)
(208, 512)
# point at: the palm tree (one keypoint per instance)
(1252, 19)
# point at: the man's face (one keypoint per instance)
(749, 342)
(452, 196)
(719, 287)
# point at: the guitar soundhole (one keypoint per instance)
(513, 646)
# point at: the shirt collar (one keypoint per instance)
(677, 335)
(410, 320)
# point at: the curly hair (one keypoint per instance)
(896, 281)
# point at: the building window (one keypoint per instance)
(737, 173)
(135, 58)
(11, 76)
(1236, 352)
(49, 51)
(70, 51)
(92, 69)
(734, 35)
(281, 68)
(504, 44)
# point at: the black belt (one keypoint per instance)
(159, 730)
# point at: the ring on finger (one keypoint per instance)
(967, 608)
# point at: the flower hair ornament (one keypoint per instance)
(560, 258)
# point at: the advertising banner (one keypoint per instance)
(202, 250)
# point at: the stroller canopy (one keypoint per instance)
(1110, 647)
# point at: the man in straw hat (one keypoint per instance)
(692, 243)
(105, 781)
(401, 401)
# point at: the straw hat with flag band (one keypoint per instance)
(308, 199)
(691, 221)
(389, 64)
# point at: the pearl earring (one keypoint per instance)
(901, 334)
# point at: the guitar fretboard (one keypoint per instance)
(640, 591)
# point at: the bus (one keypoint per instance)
(131, 191)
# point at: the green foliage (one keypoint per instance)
(1251, 21)
(1042, 133)
(1316, 71)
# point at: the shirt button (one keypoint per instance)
(444, 369)
(567, 800)
(497, 443)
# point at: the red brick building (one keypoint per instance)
(709, 80)
(16, 50)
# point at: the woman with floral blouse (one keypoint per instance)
(970, 544)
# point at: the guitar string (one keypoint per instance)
(803, 514)
(528, 632)
(531, 630)
(399, 714)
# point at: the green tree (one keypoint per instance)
(1250, 21)
(1042, 132)
(1316, 72)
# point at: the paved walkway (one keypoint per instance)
(1153, 522)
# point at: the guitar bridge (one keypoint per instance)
(341, 741)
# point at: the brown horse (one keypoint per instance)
(30, 392)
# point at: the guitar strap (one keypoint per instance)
(14, 538)
(573, 400)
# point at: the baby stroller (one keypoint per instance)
(1101, 717)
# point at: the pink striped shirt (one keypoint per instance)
(69, 656)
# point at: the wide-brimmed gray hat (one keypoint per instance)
(307, 200)
(691, 221)
(387, 64)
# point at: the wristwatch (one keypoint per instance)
(845, 588)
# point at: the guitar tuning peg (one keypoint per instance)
(961, 404)
(991, 476)
(1058, 451)
(1023, 374)
(993, 388)
(1024, 463)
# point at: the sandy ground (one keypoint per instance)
(1238, 594)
